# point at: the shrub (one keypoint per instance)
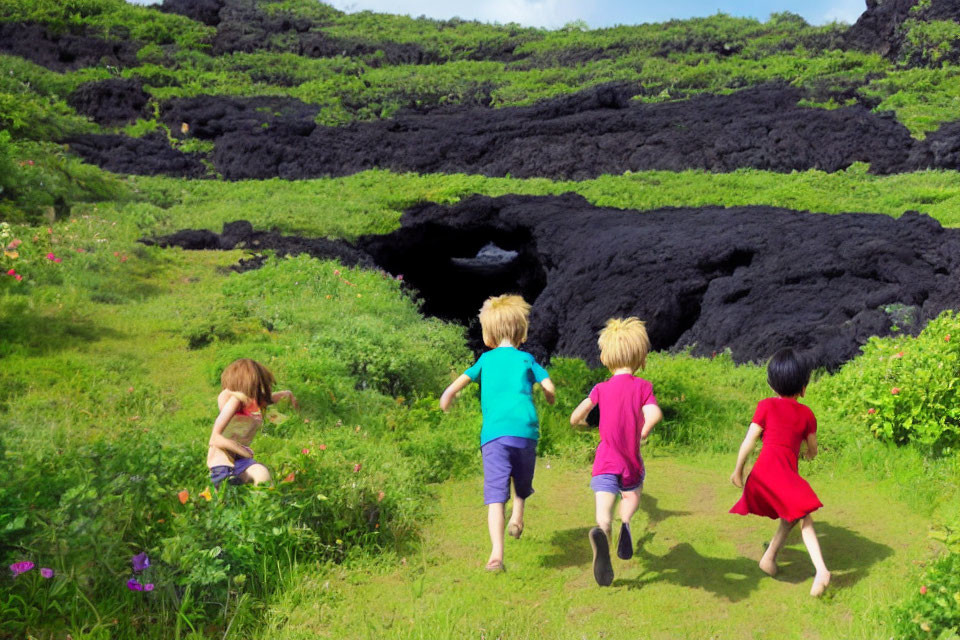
(933, 611)
(904, 389)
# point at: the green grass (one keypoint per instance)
(694, 576)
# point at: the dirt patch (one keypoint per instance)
(64, 51)
(752, 279)
(150, 155)
(110, 102)
(583, 136)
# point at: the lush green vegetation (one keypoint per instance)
(110, 354)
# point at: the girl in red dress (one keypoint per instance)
(774, 488)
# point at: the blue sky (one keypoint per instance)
(603, 13)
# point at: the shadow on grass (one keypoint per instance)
(29, 333)
(573, 547)
(848, 555)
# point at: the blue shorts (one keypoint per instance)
(505, 458)
(220, 473)
(611, 483)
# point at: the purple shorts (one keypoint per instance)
(220, 473)
(504, 458)
(611, 483)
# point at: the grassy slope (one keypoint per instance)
(694, 576)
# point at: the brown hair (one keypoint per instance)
(624, 343)
(249, 378)
(504, 318)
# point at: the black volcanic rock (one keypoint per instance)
(149, 155)
(110, 102)
(64, 51)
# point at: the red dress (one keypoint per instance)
(774, 488)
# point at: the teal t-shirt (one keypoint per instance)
(506, 376)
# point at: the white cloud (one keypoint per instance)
(845, 11)
(541, 13)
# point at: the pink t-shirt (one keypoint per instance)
(621, 400)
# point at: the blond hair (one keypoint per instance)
(249, 379)
(624, 343)
(504, 318)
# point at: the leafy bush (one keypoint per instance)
(904, 389)
(930, 42)
(933, 611)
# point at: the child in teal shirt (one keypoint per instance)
(508, 437)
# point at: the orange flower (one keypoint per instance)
(290, 477)
(183, 496)
(946, 338)
(322, 447)
(871, 411)
(895, 390)
(381, 496)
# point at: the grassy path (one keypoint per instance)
(694, 576)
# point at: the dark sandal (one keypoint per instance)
(602, 567)
(625, 543)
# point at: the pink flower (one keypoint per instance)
(81, 250)
(30, 162)
(12, 272)
(895, 390)
(322, 447)
(21, 567)
(49, 231)
(16, 242)
(305, 451)
(58, 260)
(123, 258)
(923, 589)
(148, 586)
(400, 277)
(46, 573)
(336, 272)
(18, 277)
(356, 467)
(50, 256)
(871, 411)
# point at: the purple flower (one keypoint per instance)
(134, 585)
(140, 561)
(20, 567)
(46, 573)
(148, 586)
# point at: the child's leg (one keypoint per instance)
(255, 473)
(768, 563)
(495, 520)
(822, 578)
(523, 462)
(496, 492)
(605, 502)
(629, 504)
(516, 517)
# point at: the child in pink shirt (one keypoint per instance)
(628, 412)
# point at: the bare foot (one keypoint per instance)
(515, 529)
(494, 565)
(768, 566)
(820, 582)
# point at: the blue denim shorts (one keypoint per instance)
(220, 473)
(505, 458)
(611, 483)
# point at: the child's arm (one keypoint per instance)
(280, 395)
(753, 434)
(549, 391)
(455, 387)
(217, 438)
(651, 416)
(811, 447)
(579, 415)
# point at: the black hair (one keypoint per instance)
(787, 372)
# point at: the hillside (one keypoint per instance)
(334, 194)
